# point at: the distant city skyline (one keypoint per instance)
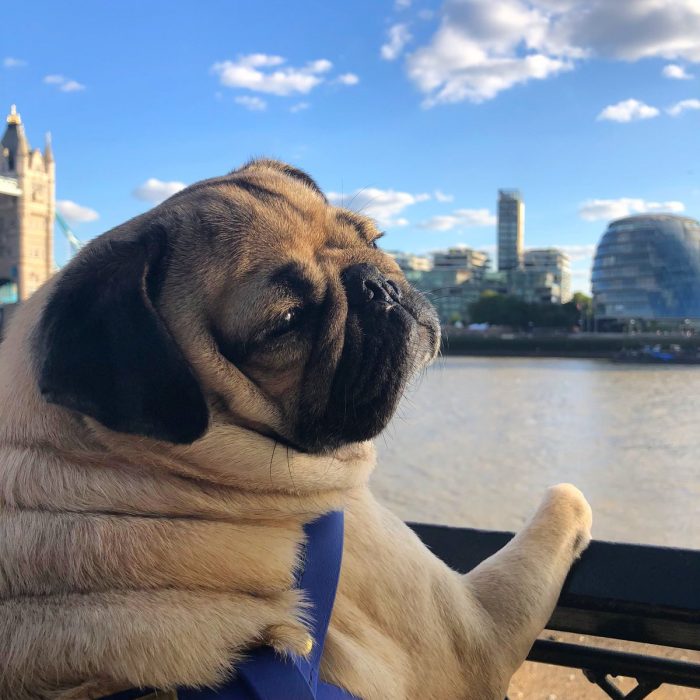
(417, 112)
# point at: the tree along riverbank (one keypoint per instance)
(584, 345)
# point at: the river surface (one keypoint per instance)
(477, 440)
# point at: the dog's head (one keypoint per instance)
(246, 299)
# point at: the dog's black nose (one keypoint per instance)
(364, 283)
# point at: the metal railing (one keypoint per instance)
(628, 592)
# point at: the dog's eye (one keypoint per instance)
(290, 319)
(373, 243)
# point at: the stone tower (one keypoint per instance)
(27, 211)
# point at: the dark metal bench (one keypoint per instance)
(628, 592)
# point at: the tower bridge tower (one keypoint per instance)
(27, 211)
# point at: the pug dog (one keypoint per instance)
(177, 403)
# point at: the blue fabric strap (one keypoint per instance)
(133, 694)
(266, 675)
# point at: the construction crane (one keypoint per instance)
(75, 243)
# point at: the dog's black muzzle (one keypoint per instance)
(365, 284)
(390, 332)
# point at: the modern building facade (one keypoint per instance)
(511, 230)
(409, 262)
(648, 267)
(463, 259)
(554, 268)
(27, 211)
(534, 286)
(453, 280)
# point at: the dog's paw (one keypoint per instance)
(571, 508)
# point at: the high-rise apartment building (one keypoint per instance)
(27, 211)
(511, 230)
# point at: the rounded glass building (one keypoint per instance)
(648, 267)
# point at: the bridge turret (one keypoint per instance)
(48, 150)
(27, 212)
(14, 143)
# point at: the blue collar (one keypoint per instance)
(265, 675)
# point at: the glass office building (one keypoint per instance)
(511, 230)
(648, 267)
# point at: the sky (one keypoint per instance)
(415, 112)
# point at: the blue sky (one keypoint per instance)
(590, 107)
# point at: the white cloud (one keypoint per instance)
(155, 191)
(397, 38)
(477, 51)
(676, 72)
(442, 197)
(63, 84)
(682, 106)
(347, 79)
(483, 47)
(633, 29)
(71, 86)
(628, 111)
(402, 4)
(299, 107)
(254, 104)
(11, 62)
(382, 205)
(634, 110)
(75, 213)
(609, 209)
(460, 218)
(578, 253)
(264, 73)
(454, 69)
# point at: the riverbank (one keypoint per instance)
(577, 345)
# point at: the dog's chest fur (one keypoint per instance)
(134, 567)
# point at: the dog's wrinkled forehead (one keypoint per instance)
(280, 206)
(274, 166)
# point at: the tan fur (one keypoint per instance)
(127, 561)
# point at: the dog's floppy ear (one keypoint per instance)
(103, 349)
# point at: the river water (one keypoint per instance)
(477, 440)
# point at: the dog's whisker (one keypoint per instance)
(272, 457)
(355, 196)
(289, 469)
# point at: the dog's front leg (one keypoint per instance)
(520, 584)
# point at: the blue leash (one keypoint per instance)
(265, 675)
